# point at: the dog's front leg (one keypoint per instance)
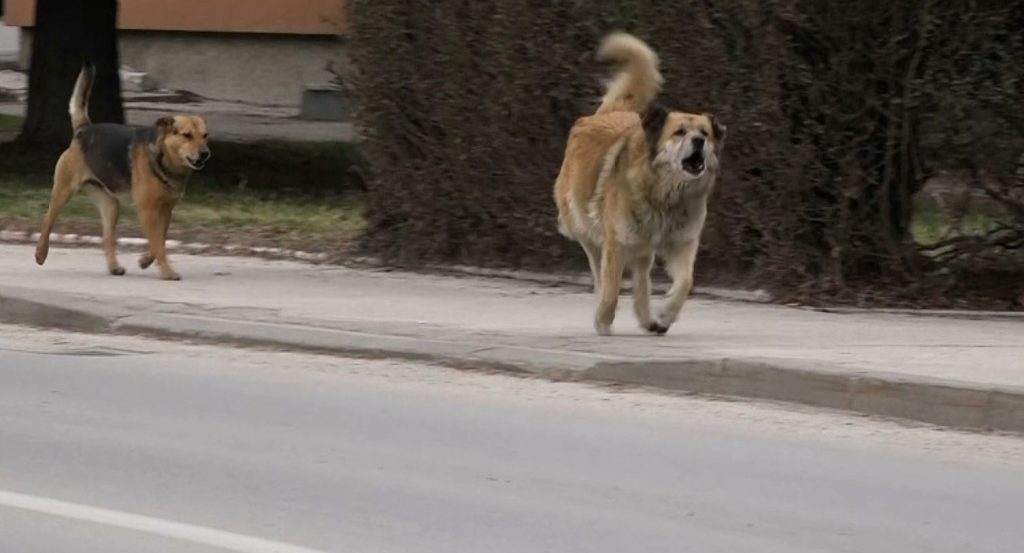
(608, 291)
(147, 258)
(151, 216)
(679, 262)
(641, 272)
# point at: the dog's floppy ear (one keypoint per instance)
(718, 129)
(654, 125)
(164, 125)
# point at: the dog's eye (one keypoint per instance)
(205, 135)
(703, 133)
(188, 135)
(680, 132)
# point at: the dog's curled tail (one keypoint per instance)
(638, 80)
(79, 105)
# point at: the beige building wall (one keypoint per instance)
(256, 51)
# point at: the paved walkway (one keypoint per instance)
(876, 363)
(8, 44)
(234, 121)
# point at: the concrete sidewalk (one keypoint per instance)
(942, 370)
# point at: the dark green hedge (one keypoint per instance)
(838, 112)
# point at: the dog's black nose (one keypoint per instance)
(204, 155)
(698, 143)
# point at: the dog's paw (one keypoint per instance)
(603, 329)
(145, 261)
(657, 328)
(117, 271)
(665, 320)
(41, 256)
(170, 275)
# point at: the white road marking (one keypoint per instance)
(186, 532)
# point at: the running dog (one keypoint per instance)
(635, 183)
(150, 164)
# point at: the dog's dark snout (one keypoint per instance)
(204, 155)
(698, 143)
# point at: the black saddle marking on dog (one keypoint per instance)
(108, 151)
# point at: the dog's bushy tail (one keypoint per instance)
(638, 80)
(78, 107)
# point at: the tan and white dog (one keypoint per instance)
(635, 183)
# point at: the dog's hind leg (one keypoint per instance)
(594, 258)
(65, 184)
(640, 269)
(110, 210)
(608, 291)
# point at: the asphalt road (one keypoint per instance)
(113, 444)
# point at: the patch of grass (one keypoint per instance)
(295, 218)
(295, 195)
(314, 169)
(215, 215)
(10, 122)
(930, 224)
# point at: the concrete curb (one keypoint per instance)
(25, 237)
(930, 400)
(938, 313)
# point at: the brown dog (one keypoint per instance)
(635, 183)
(151, 164)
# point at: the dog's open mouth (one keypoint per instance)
(694, 164)
(196, 164)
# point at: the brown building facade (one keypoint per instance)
(301, 17)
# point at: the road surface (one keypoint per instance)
(118, 444)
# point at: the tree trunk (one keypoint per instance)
(67, 33)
